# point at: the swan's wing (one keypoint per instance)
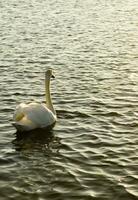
(39, 114)
(21, 122)
(19, 114)
(34, 115)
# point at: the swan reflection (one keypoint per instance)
(37, 140)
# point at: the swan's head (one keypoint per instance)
(49, 74)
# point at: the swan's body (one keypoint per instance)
(36, 115)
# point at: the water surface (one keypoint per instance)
(92, 153)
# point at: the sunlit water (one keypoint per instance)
(92, 47)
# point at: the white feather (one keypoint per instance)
(35, 115)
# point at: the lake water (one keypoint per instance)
(92, 46)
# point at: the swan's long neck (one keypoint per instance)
(48, 95)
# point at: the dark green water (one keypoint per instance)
(92, 47)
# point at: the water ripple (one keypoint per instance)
(92, 151)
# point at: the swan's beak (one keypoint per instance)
(52, 76)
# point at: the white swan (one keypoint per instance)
(36, 115)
